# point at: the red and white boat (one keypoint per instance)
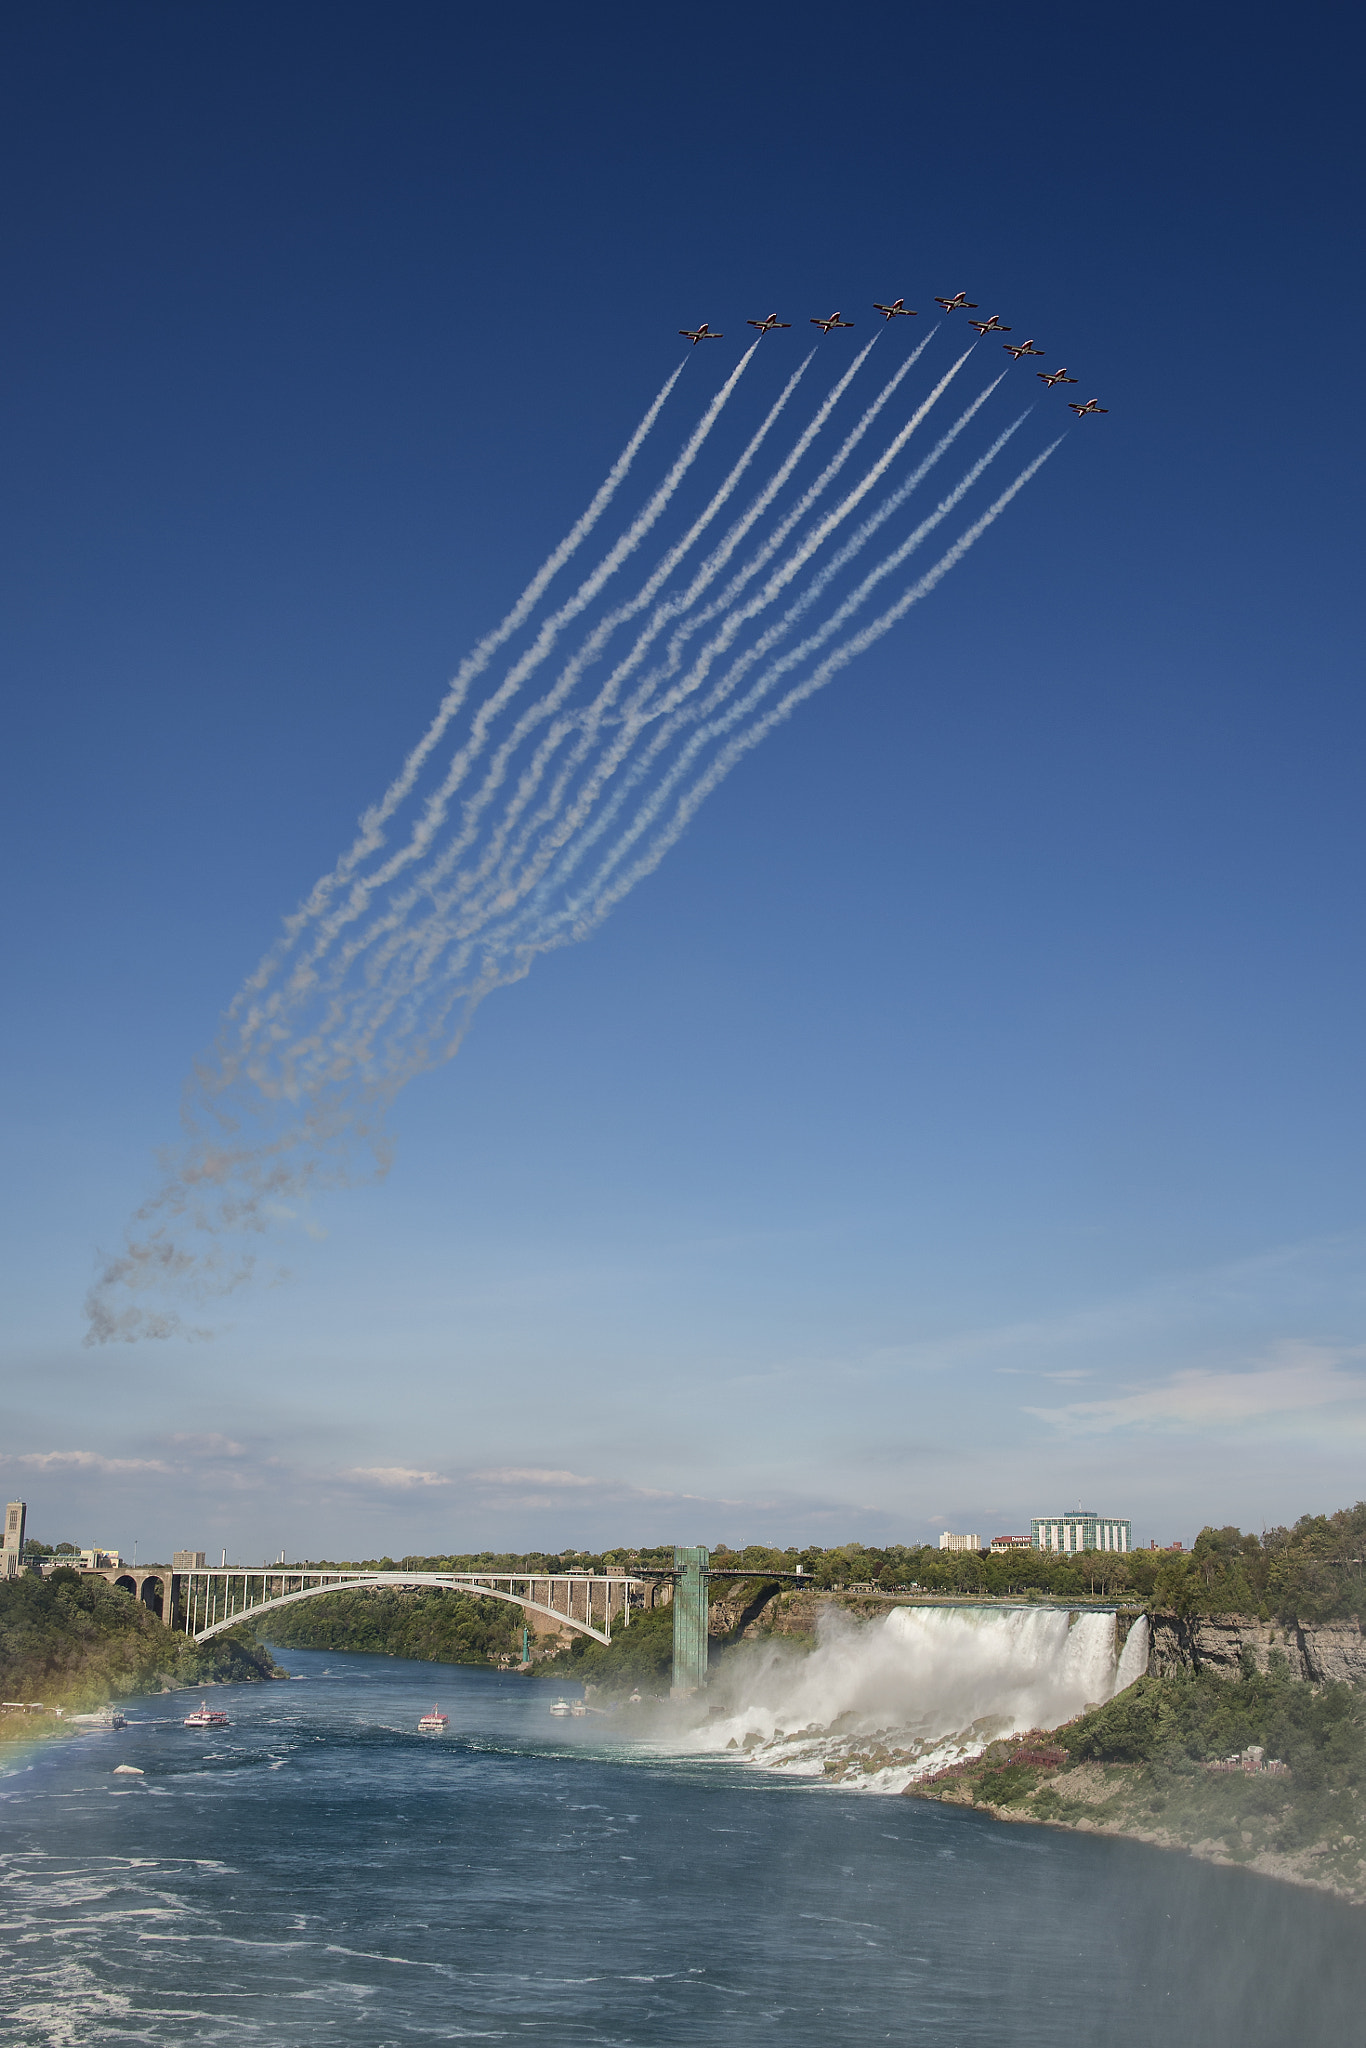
(435, 1723)
(207, 1717)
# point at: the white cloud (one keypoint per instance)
(531, 1475)
(1301, 1379)
(395, 1475)
(85, 1461)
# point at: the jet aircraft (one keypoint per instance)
(959, 299)
(992, 326)
(767, 326)
(1052, 377)
(1090, 406)
(834, 321)
(702, 333)
(898, 306)
(1023, 348)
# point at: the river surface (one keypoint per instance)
(321, 1873)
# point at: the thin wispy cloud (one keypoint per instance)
(1300, 1381)
(84, 1461)
(400, 1476)
(531, 1475)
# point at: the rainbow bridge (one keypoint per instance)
(207, 1600)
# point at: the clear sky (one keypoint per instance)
(966, 1119)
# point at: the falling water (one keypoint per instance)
(893, 1700)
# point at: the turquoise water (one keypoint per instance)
(320, 1873)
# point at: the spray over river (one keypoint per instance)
(319, 1871)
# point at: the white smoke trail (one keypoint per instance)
(256, 1015)
(746, 741)
(437, 870)
(392, 920)
(509, 953)
(317, 1044)
(374, 819)
(435, 935)
(546, 707)
(606, 767)
(783, 666)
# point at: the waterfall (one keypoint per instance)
(1133, 1660)
(896, 1698)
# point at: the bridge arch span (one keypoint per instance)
(403, 1581)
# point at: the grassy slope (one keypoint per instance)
(78, 1643)
(1135, 1767)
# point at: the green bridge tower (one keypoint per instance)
(691, 1575)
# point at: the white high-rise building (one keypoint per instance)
(1083, 1530)
(12, 1545)
(947, 1542)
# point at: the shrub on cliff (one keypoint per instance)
(1192, 1717)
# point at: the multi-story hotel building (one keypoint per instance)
(1084, 1530)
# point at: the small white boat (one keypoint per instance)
(207, 1717)
(561, 1707)
(435, 1723)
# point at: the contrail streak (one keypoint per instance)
(573, 670)
(744, 742)
(474, 664)
(392, 925)
(436, 935)
(608, 764)
(690, 715)
(434, 811)
(392, 919)
(438, 931)
(553, 805)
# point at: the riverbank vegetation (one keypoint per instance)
(1141, 1766)
(1315, 1571)
(78, 1642)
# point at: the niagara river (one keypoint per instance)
(318, 1871)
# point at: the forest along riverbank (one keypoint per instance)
(69, 1644)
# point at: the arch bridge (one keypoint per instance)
(208, 1599)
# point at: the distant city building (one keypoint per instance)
(12, 1553)
(1012, 1543)
(187, 1561)
(947, 1542)
(1084, 1530)
(97, 1560)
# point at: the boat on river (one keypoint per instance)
(561, 1707)
(207, 1717)
(435, 1723)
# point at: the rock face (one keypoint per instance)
(1320, 1651)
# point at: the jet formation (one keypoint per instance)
(899, 310)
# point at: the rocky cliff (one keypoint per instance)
(1319, 1651)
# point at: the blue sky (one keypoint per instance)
(966, 1118)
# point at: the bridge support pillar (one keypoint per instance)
(691, 1566)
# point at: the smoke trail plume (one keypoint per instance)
(552, 805)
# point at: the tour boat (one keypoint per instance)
(561, 1707)
(434, 1723)
(207, 1717)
